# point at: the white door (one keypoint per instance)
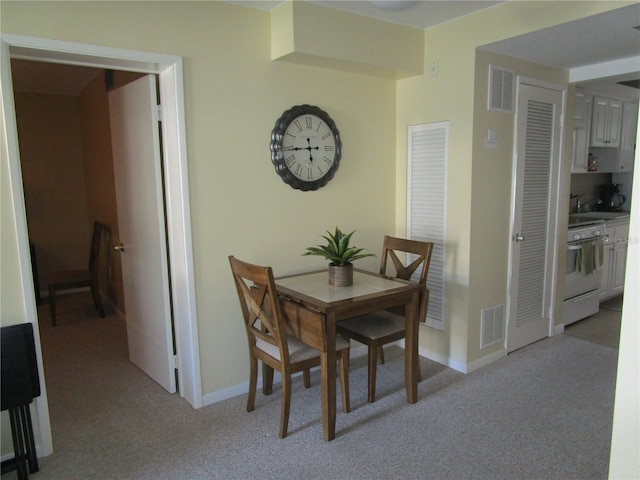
(536, 172)
(137, 168)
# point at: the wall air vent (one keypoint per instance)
(501, 83)
(492, 325)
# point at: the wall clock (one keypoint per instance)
(305, 147)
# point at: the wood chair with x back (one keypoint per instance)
(381, 328)
(268, 341)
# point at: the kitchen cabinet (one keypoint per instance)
(581, 130)
(627, 150)
(605, 122)
(582, 109)
(615, 259)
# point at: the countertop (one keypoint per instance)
(586, 218)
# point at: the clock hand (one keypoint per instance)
(310, 148)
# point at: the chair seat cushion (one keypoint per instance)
(374, 326)
(298, 351)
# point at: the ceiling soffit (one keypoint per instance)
(353, 43)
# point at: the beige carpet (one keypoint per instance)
(543, 412)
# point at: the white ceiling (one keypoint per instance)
(593, 40)
(606, 39)
(412, 13)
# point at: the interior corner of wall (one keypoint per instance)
(282, 39)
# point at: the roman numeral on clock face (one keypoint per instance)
(290, 160)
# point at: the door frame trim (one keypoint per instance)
(169, 70)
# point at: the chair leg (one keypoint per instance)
(18, 443)
(97, 301)
(373, 361)
(52, 304)
(267, 379)
(27, 428)
(253, 382)
(306, 376)
(286, 404)
(344, 380)
(381, 349)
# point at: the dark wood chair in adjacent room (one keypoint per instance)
(379, 329)
(72, 279)
(269, 343)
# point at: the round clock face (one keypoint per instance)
(305, 147)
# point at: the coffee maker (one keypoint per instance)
(611, 198)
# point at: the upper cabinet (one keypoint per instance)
(627, 151)
(581, 131)
(605, 122)
(604, 129)
(582, 110)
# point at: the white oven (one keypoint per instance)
(583, 271)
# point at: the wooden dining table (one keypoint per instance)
(312, 308)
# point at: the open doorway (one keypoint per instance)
(169, 70)
(67, 167)
(68, 170)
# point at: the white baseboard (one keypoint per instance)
(456, 365)
(486, 360)
(243, 388)
(11, 456)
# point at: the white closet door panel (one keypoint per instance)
(427, 167)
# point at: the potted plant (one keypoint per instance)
(340, 256)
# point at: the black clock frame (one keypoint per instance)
(277, 153)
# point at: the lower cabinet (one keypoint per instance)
(615, 260)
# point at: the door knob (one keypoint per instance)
(518, 237)
(119, 247)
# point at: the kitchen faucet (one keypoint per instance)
(579, 204)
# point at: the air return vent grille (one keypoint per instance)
(500, 89)
(492, 325)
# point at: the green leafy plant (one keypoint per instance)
(337, 249)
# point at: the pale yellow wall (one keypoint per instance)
(451, 97)
(12, 308)
(491, 193)
(234, 93)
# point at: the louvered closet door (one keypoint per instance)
(426, 209)
(538, 135)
